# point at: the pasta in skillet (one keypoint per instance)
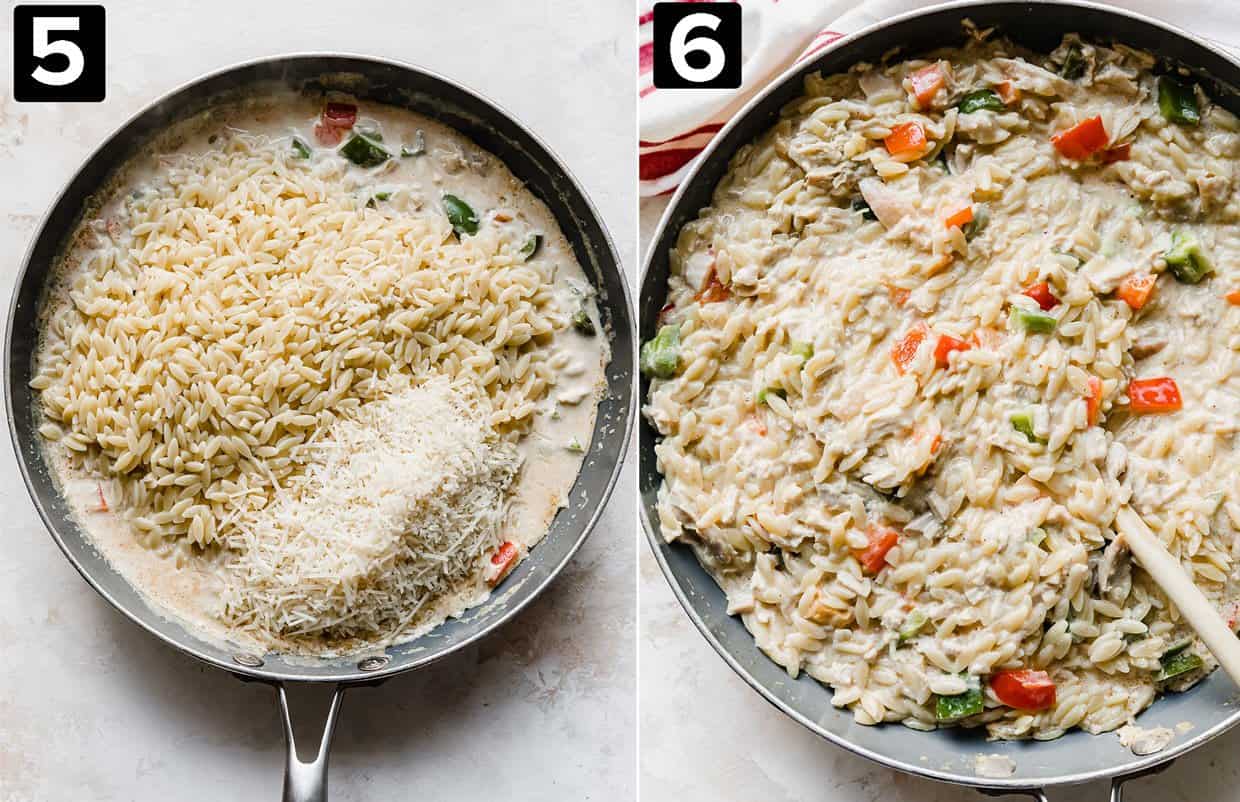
(936, 327)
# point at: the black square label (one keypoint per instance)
(58, 54)
(697, 45)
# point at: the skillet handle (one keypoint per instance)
(1117, 783)
(1038, 794)
(307, 781)
(1117, 786)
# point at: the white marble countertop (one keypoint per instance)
(91, 707)
(706, 736)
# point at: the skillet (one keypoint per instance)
(948, 754)
(530, 160)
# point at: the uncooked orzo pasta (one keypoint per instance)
(245, 296)
(937, 325)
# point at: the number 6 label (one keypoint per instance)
(697, 45)
(58, 53)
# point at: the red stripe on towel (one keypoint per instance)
(661, 162)
(825, 38)
(709, 128)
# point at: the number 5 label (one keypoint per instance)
(58, 53)
(697, 45)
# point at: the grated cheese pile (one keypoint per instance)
(395, 509)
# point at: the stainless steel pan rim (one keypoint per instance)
(533, 162)
(654, 268)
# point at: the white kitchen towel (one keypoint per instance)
(676, 124)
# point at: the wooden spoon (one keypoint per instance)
(1191, 602)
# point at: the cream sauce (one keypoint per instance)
(1141, 741)
(994, 767)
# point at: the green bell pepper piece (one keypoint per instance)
(764, 392)
(980, 99)
(1178, 102)
(364, 151)
(912, 625)
(1034, 322)
(961, 705)
(981, 216)
(1188, 263)
(1023, 423)
(660, 357)
(461, 215)
(1073, 66)
(1178, 661)
(531, 246)
(583, 323)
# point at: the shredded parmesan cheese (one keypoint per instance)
(397, 507)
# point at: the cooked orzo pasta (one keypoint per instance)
(299, 353)
(935, 328)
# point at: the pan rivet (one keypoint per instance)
(373, 663)
(247, 660)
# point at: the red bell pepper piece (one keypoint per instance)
(1007, 92)
(1024, 689)
(874, 556)
(712, 289)
(1093, 401)
(327, 135)
(902, 352)
(906, 142)
(959, 218)
(1119, 153)
(1081, 140)
(926, 83)
(1042, 294)
(944, 347)
(1137, 290)
(335, 119)
(899, 295)
(340, 115)
(1154, 395)
(502, 562)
